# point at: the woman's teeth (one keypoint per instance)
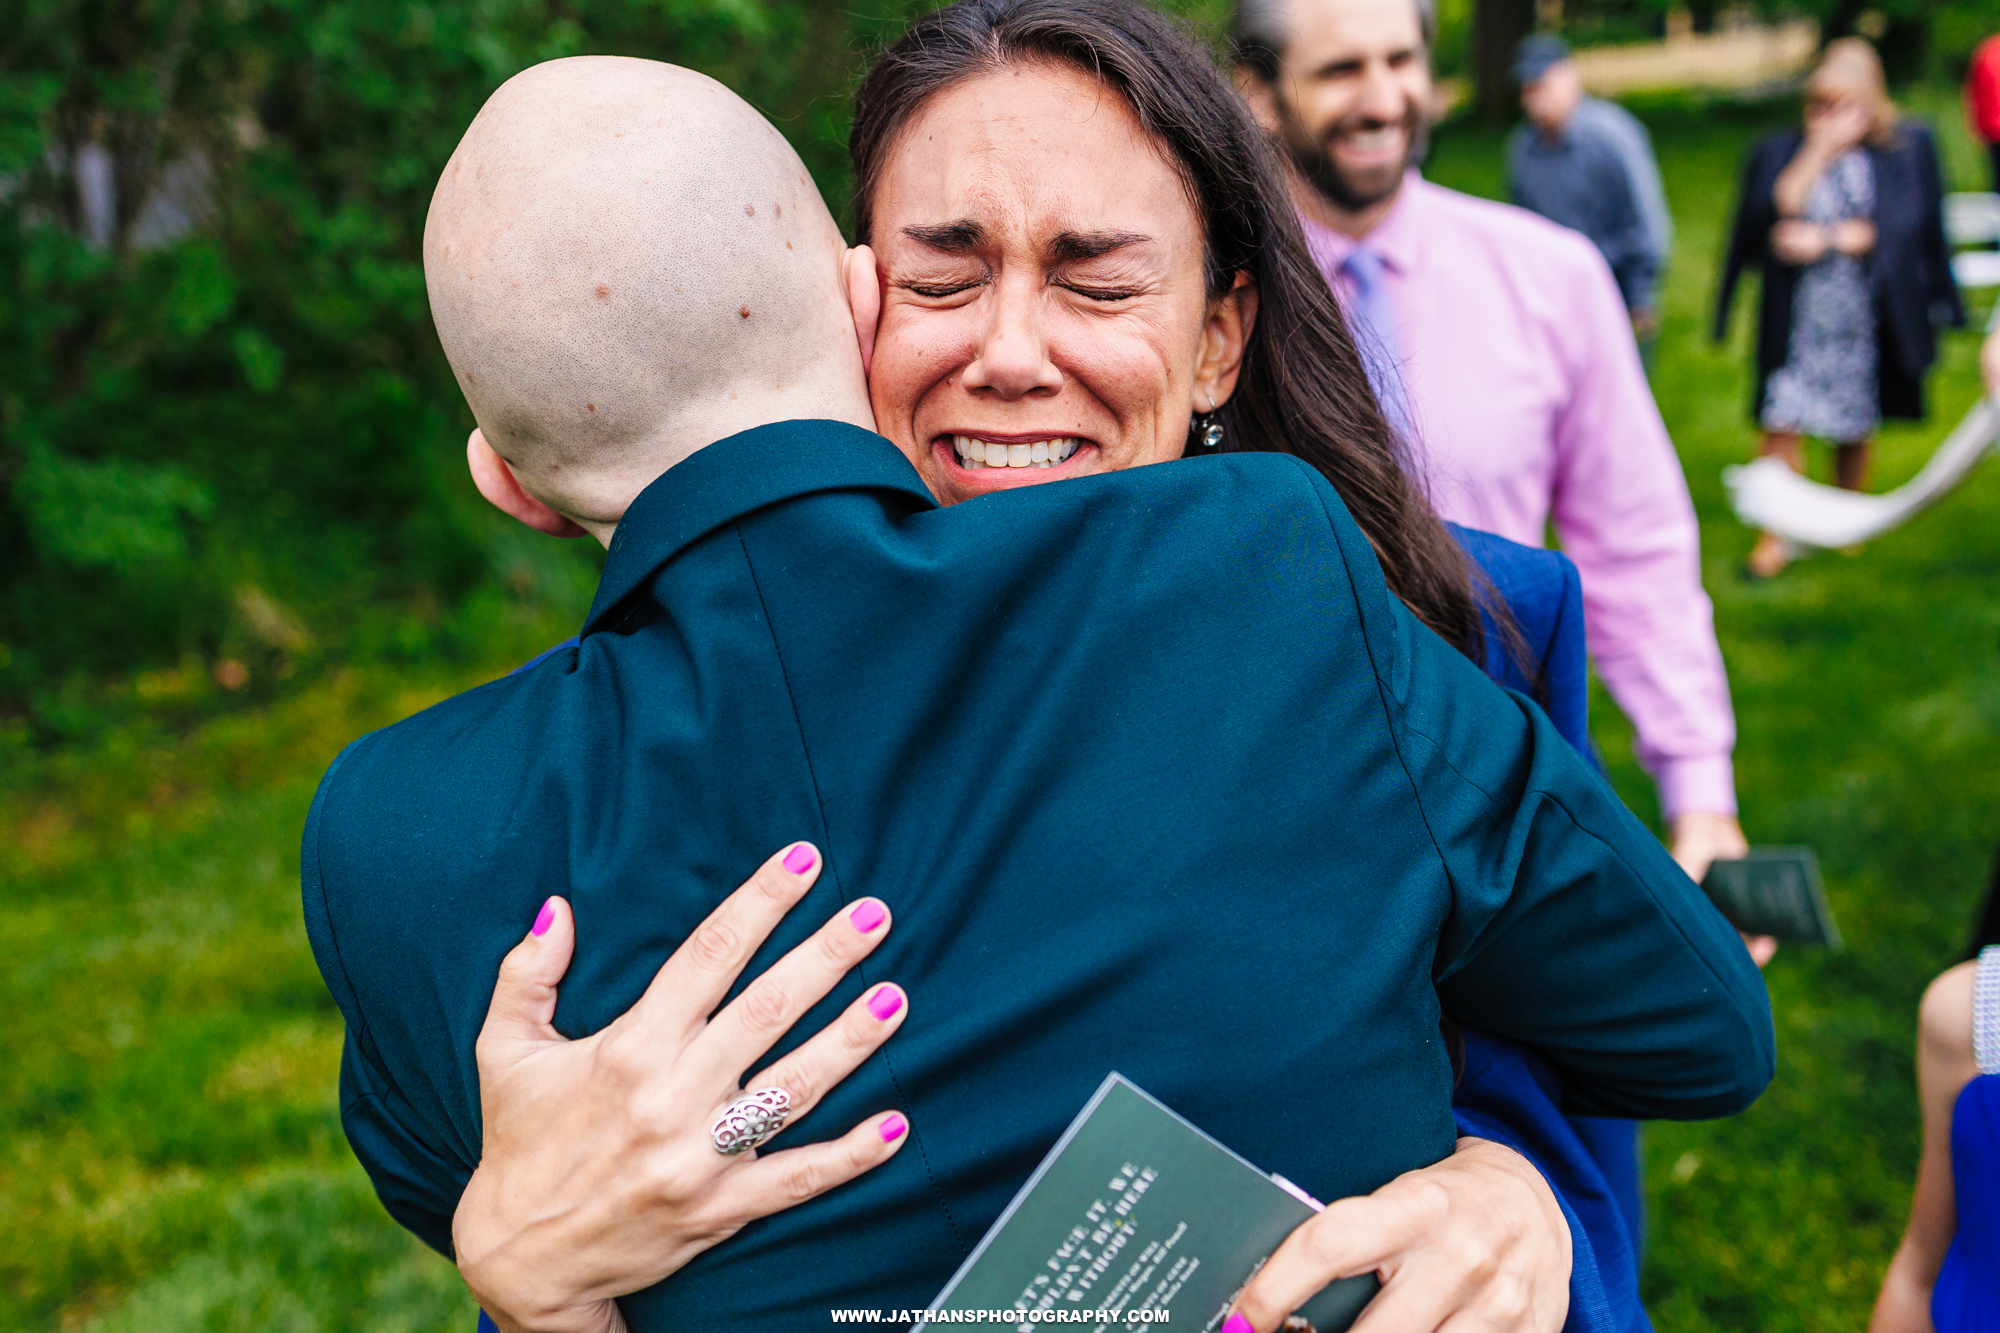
(982, 453)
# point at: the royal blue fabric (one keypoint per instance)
(1509, 1094)
(1614, 1146)
(1544, 595)
(1157, 776)
(1967, 1296)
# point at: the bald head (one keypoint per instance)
(627, 262)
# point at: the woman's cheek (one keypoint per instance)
(1128, 375)
(895, 381)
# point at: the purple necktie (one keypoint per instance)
(1373, 318)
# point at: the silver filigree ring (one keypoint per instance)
(751, 1120)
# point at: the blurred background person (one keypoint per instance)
(1500, 343)
(1982, 101)
(1845, 219)
(1588, 165)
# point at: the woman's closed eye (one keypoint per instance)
(1108, 279)
(941, 287)
(1094, 292)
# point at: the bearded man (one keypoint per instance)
(1499, 343)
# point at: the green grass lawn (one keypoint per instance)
(170, 1157)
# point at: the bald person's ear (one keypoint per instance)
(864, 298)
(496, 481)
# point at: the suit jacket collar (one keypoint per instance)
(733, 477)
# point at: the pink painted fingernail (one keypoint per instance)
(868, 915)
(884, 1003)
(546, 917)
(1236, 1323)
(892, 1129)
(800, 859)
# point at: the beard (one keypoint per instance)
(1351, 192)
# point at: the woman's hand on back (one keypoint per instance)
(1474, 1244)
(599, 1175)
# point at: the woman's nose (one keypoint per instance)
(1012, 359)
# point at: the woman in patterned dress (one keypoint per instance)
(1846, 222)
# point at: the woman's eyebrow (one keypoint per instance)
(1071, 247)
(1067, 247)
(954, 238)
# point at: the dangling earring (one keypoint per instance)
(1205, 429)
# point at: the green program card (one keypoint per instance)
(1136, 1212)
(1774, 891)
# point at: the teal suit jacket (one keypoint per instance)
(1156, 775)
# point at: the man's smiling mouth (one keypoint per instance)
(1375, 141)
(974, 454)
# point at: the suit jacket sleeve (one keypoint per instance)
(418, 1184)
(1570, 928)
(419, 1188)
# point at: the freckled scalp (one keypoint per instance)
(597, 248)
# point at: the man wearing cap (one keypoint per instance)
(1588, 164)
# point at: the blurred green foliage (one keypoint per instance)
(228, 440)
(241, 443)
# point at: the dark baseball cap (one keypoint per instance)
(1535, 54)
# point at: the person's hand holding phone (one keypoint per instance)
(603, 1168)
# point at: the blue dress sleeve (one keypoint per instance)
(1508, 1095)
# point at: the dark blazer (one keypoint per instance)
(1544, 594)
(1909, 270)
(1157, 776)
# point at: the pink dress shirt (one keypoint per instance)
(1528, 403)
